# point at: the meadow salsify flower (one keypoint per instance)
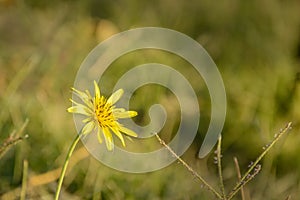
(102, 115)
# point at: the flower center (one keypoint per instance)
(104, 114)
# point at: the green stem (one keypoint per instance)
(64, 169)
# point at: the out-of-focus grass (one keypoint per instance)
(42, 46)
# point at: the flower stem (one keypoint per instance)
(64, 169)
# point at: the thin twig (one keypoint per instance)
(13, 139)
(9, 142)
(243, 183)
(255, 164)
(189, 168)
(238, 171)
(220, 167)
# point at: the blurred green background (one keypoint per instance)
(255, 44)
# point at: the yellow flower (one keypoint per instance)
(102, 115)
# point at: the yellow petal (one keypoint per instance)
(97, 90)
(88, 128)
(115, 97)
(99, 135)
(128, 131)
(79, 104)
(129, 138)
(125, 114)
(86, 120)
(88, 94)
(80, 110)
(108, 139)
(84, 97)
(120, 136)
(74, 102)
